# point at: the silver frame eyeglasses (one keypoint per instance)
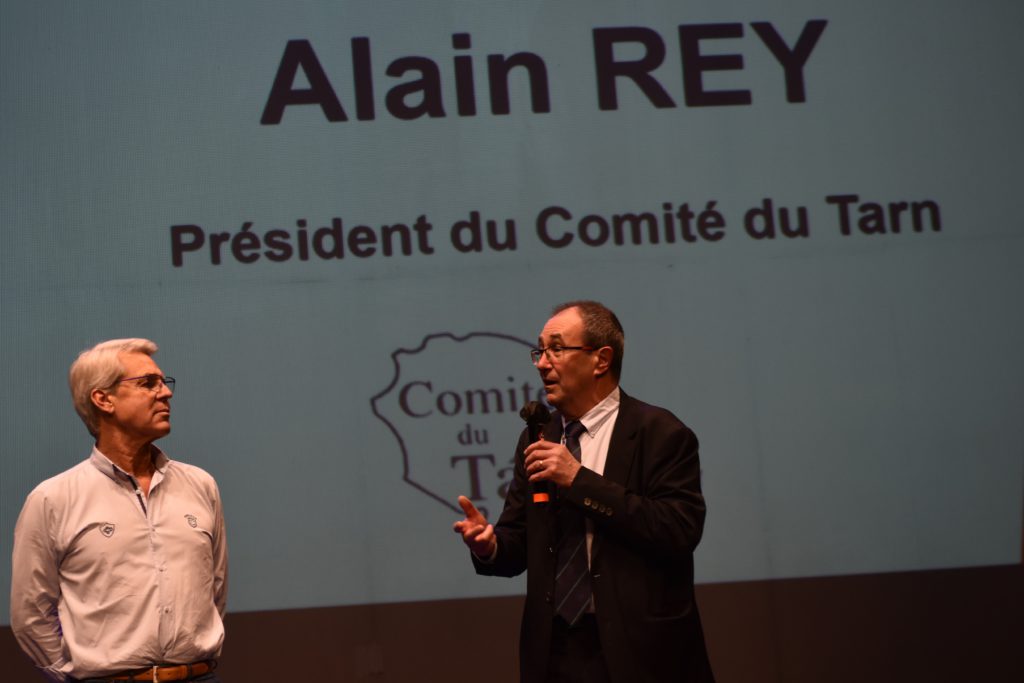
(152, 383)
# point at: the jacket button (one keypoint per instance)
(548, 598)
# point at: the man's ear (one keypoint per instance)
(604, 361)
(101, 399)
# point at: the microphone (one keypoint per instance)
(536, 416)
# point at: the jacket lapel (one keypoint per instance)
(621, 451)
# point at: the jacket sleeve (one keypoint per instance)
(35, 586)
(510, 529)
(660, 509)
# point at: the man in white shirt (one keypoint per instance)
(120, 563)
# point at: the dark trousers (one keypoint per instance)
(576, 655)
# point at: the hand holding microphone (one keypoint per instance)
(547, 462)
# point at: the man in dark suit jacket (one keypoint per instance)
(636, 494)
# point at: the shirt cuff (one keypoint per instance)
(490, 558)
(54, 672)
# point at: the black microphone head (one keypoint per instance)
(535, 413)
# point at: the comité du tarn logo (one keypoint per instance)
(453, 407)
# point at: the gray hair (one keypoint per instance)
(600, 328)
(100, 368)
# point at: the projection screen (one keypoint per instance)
(345, 223)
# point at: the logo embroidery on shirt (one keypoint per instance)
(192, 521)
(107, 529)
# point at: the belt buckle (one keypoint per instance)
(156, 675)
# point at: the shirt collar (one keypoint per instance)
(597, 417)
(107, 466)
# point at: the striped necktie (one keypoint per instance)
(572, 577)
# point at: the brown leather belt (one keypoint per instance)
(167, 672)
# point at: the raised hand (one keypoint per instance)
(476, 533)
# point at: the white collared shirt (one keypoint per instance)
(599, 423)
(106, 579)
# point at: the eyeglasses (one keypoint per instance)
(151, 382)
(554, 352)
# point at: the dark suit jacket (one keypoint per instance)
(648, 514)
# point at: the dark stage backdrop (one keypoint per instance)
(345, 222)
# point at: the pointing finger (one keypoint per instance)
(472, 514)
